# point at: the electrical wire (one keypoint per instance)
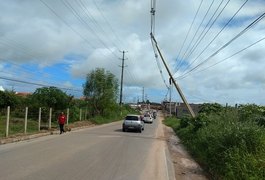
(90, 17)
(74, 30)
(226, 44)
(67, 24)
(185, 39)
(38, 84)
(177, 67)
(228, 22)
(203, 33)
(108, 23)
(158, 64)
(88, 27)
(229, 57)
(153, 7)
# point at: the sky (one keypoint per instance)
(210, 46)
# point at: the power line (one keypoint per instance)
(238, 52)
(188, 34)
(95, 22)
(203, 33)
(153, 9)
(67, 24)
(107, 22)
(182, 60)
(158, 65)
(217, 34)
(75, 31)
(229, 42)
(37, 84)
(82, 21)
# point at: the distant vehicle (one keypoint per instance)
(133, 122)
(154, 114)
(148, 118)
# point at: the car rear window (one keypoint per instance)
(132, 118)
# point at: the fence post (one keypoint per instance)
(7, 120)
(80, 115)
(50, 119)
(26, 120)
(39, 118)
(86, 114)
(67, 116)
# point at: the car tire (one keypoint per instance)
(123, 129)
(140, 130)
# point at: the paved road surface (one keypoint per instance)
(98, 153)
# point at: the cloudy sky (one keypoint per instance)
(214, 48)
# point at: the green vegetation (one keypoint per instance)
(228, 142)
(16, 126)
(99, 106)
(116, 115)
(101, 89)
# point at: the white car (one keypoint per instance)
(148, 118)
(133, 122)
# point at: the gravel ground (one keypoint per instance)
(185, 167)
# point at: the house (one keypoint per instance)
(23, 94)
(179, 109)
(182, 110)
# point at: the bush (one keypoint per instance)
(228, 147)
(184, 122)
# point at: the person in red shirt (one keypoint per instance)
(61, 122)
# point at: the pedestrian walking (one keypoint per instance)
(61, 122)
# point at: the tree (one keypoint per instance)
(101, 91)
(208, 108)
(50, 97)
(7, 98)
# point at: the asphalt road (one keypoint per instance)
(97, 153)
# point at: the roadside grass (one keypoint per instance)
(16, 126)
(172, 122)
(226, 147)
(113, 116)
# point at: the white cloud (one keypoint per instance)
(30, 33)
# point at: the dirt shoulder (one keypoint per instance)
(185, 166)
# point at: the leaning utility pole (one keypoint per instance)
(156, 48)
(172, 79)
(122, 69)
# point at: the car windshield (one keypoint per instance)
(132, 118)
(146, 115)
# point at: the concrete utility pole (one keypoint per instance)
(143, 95)
(122, 70)
(170, 108)
(173, 80)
